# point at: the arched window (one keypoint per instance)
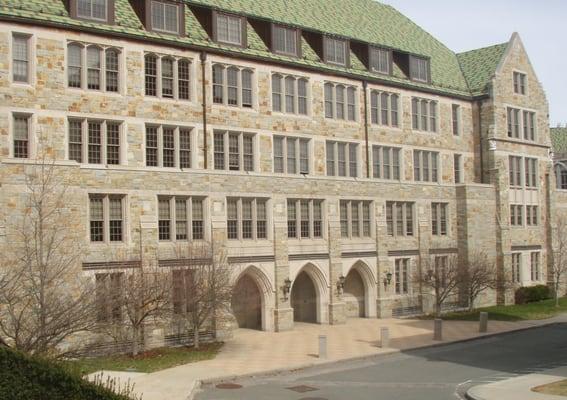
(167, 77)
(93, 67)
(183, 75)
(277, 92)
(74, 65)
(218, 84)
(112, 65)
(247, 88)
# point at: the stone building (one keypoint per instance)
(332, 147)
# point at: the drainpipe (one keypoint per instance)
(364, 90)
(204, 94)
(481, 141)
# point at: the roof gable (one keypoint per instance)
(480, 65)
(558, 140)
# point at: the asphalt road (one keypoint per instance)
(440, 373)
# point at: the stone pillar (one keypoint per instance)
(337, 308)
(424, 261)
(283, 313)
(383, 304)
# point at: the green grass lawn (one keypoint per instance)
(540, 310)
(150, 361)
(555, 388)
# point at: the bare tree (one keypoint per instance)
(477, 275)
(441, 276)
(44, 299)
(202, 287)
(558, 267)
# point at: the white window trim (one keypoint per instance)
(31, 59)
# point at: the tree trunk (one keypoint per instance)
(196, 337)
(438, 310)
(135, 341)
(556, 294)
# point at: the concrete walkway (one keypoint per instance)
(254, 352)
(519, 388)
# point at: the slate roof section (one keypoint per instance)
(362, 20)
(559, 140)
(479, 66)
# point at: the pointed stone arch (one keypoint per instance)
(317, 301)
(253, 298)
(368, 280)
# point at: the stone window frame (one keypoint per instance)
(379, 166)
(160, 148)
(359, 227)
(517, 218)
(431, 160)
(108, 288)
(345, 110)
(373, 53)
(239, 87)
(377, 109)
(104, 143)
(456, 119)
(520, 87)
(523, 172)
(297, 226)
(225, 155)
(110, 12)
(30, 58)
(458, 168)
(288, 30)
(243, 28)
(440, 219)
(158, 78)
(516, 267)
(425, 115)
(560, 175)
(419, 69)
(192, 227)
(299, 102)
(402, 276)
(30, 144)
(106, 221)
(336, 160)
(298, 155)
(104, 73)
(254, 221)
(521, 124)
(532, 215)
(406, 221)
(535, 266)
(331, 58)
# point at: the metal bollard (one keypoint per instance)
(322, 346)
(384, 338)
(483, 328)
(438, 330)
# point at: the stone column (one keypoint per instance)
(337, 308)
(283, 313)
(424, 261)
(383, 304)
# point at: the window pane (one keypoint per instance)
(278, 154)
(151, 146)
(218, 79)
(219, 151)
(21, 136)
(276, 93)
(96, 219)
(290, 94)
(93, 68)
(112, 143)
(183, 73)
(232, 86)
(291, 156)
(167, 77)
(94, 142)
(74, 54)
(246, 88)
(184, 148)
(111, 70)
(248, 152)
(168, 157)
(115, 213)
(20, 55)
(291, 219)
(150, 69)
(164, 222)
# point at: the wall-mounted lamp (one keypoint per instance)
(286, 288)
(387, 278)
(341, 284)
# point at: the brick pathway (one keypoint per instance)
(250, 352)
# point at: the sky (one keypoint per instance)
(466, 24)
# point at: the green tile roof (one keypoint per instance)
(363, 20)
(559, 140)
(480, 65)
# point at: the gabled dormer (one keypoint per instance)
(336, 51)
(92, 10)
(285, 40)
(222, 27)
(416, 68)
(376, 59)
(161, 16)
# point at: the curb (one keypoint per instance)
(392, 352)
(470, 396)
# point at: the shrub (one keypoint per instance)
(532, 294)
(29, 378)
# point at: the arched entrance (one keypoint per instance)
(247, 303)
(354, 295)
(304, 299)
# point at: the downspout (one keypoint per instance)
(481, 141)
(204, 103)
(364, 89)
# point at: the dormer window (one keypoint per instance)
(336, 51)
(380, 60)
(165, 17)
(419, 69)
(285, 40)
(230, 29)
(96, 10)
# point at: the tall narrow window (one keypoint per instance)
(401, 275)
(516, 267)
(530, 169)
(380, 60)
(458, 168)
(93, 68)
(21, 58)
(107, 296)
(535, 266)
(520, 83)
(75, 65)
(419, 69)
(112, 72)
(167, 78)
(21, 133)
(229, 29)
(456, 116)
(150, 67)
(439, 214)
